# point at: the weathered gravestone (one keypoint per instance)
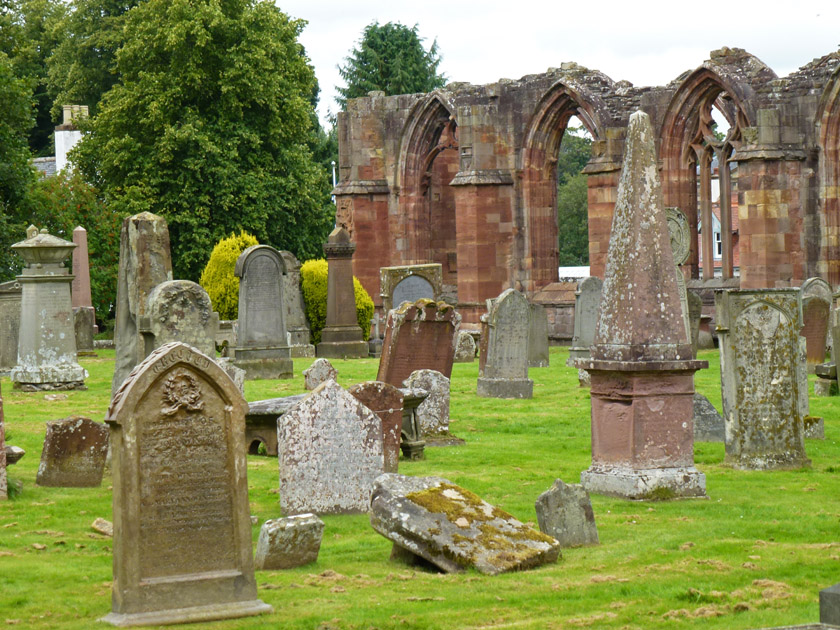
(816, 307)
(341, 336)
(261, 422)
(3, 482)
(465, 351)
(85, 315)
(144, 263)
(286, 543)
(412, 442)
(564, 512)
(504, 371)
(182, 532)
(409, 283)
(74, 453)
(433, 413)
(300, 336)
(10, 298)
(830, 605)
(641, 371)
(386, 401)
(454, 529)
(319, 372)
(262, 346)
(708, 423)
(587, 300)
(418, 336)
(47, 341)
(761, 377)
(179, 310)
(680, 236)
(538, 337)
(695, 312)
(84, 323)
(330, 450)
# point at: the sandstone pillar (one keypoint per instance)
(83, 311)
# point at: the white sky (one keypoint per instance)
(647, 42)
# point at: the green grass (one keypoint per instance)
(754, 554)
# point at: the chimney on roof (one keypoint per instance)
(67, 134)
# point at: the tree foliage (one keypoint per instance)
(209, 127)
(218, 277)
(390, 58)
(313, 284)
(572, 214)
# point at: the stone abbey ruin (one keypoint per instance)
(465, 176)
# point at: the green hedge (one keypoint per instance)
(218, 279)
(313, 281)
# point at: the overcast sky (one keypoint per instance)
(646, 43)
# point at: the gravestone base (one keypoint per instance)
(341, 349)
(645, 483)
(375, 348)
(49, 387)
(413, 450)
(68, 376)
(824, 387)
(443, 439)
(303, 351)
(814, 428)
(505, 387)
(791, 460)
(194, 614)
(264, 363)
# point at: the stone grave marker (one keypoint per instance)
(300, 336)
(409, 283)
(504, 373)
(83, 325)
(80, 289)
(286, 543)
(375, 341)
(830, 605)
(74, 453)
(433, 412)
(3, 482)
(816, 307)
(413, 288)
(46, 357)
(564, 512)
(386, 401)
(538, 337)
(418, 336)
(761, 379)
(329, 449)
(182, 531)
(179, 310)
(145, 262)
(412, 442)
(695, 312)
(708, 423)
(465, 351)
(587, 300)
(319, 372)
(262, 345)
(432, 518)
(10, 299)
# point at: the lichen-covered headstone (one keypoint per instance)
(465, 352)
(182, 529)
(564, 512)
(816, 307)
(433, 412)
(454, 529)
(319, 372)
(180, 310)
(329, 449)
(300, 336)
(10, 299)
(504, 372)
(762, 377)
(587, 301)
(286, 543)
(538, 337)
(386, 401)
(708, 423)
(74, 453)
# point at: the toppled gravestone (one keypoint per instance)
(319, 372)
(454, 529)
(708, 423)
(285, 543)
(74, 453)
(564, 512)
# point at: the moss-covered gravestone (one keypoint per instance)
(74, 453)
(182, 532)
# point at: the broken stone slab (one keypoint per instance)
(708, 423)
(319, 372)
(74, 453)
(285, 543)
(453, 528)
(564, 512)
(102, 526)
(13, 454)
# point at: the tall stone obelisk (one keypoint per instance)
(641, 369)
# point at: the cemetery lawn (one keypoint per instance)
(754, 554)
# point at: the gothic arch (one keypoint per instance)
(828, 126)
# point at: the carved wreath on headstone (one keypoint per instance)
(181, 391)
(680, 234)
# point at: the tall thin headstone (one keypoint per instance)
(262, 345)
(587, 301)
(300, 336)
(83, 312)
(182, 532)
(538, 337)
(10, 299)
(145, 262)
(504, 372)
(3, 482)
(816, 307)
(47, 340)
(341, 336)
(642, 374)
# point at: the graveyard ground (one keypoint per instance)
(754, 554)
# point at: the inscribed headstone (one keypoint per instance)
(505, 370)
(179, 310)
(816, 307)
(412, 288)
(84, 323)
(432, 413)
(386, 401)
(329, 449)
(415, 282)
(564, 512)
(465, 351)
(182, 532)
(587, 301)
(74, 453)
(418, 336)
(10, 298)
(538, 337)
(708, 423)
(300, 336)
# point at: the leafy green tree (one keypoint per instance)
(209, 127)
(218, 277)
(390, 58)
(572, 215)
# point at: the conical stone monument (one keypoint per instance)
(642, 375)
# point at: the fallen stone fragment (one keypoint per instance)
(319, 372)
(564, 512)
(453, 528)
(101, 526)
(285, 543)
(13, 454)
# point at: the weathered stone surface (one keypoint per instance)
(814, 428)
(3, 480)
(179, 310)
(830, 605)
(695, 312)
(433, 412)
(762, 377)
(642, 375)
(84, 322)
(453, 528)
(10, 298)
(503, 372)
(300, 336)
(286, 543)
(74, 453)
(145, 262)
(261, 422)
(824, 387)
(13, 454)
(341, 337)
(386, 401)
(816, 306)
(80, 287)
(465, 350)
(46, 357)
(564, 512)
(182, 534)
(319, 372)
(418, 336)
(330, 450)
(409, 283)
(236, 374)
(538, 337)
(102, 526)
(708, 423)
(412, 442)
(262, 345)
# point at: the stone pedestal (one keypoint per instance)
(411, 437)
(47, 339)
(341, 337)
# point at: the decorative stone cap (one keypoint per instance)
(641, 366)
(338, 244)
(42, 247)
(425, 309)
